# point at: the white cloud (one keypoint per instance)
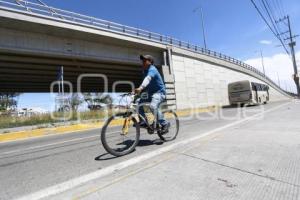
(266, 42)
(278, 63)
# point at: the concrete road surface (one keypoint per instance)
(254, 154)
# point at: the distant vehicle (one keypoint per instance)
(98, 101)
(29, 112)
(246, 92)
(97, 106)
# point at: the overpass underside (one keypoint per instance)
(33, 47)
(33, 73)
(32, 50)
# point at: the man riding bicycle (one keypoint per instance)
(124, 141)
(155, 88)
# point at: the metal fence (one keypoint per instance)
(42, 10)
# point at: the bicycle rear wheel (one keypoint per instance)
(172, 118)
(118, 141)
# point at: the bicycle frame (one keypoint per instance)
(130, 116)
(133, 110)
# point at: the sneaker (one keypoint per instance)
(165, 128)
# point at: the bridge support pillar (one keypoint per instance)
(168, 76)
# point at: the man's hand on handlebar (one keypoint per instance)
(137, 90)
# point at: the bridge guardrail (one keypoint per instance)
(68, 16)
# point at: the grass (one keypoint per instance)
(46, 120)
(43, 120)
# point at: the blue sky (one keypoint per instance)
(233, 27)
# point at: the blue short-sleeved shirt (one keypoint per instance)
(156, 84)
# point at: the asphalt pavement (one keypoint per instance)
(227, 154)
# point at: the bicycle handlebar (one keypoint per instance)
(126, 94)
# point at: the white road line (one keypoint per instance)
(62, 187)
(57, 143)
(52, 144)
(45, 136)
(47, 145)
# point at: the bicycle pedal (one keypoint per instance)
(123, 134)
(163, 132)
(150, 131)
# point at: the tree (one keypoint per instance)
(96, 101)
(8, 101)
(75, 101)
(103, 98)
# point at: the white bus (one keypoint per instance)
(246, 92)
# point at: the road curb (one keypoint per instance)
(66, 129)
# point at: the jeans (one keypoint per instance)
(155, 100)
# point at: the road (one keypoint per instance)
(36, 166)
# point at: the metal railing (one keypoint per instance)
(83, 20)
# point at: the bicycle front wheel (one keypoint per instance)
(172, 133)
(120, 135)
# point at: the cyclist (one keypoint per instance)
(155, 89)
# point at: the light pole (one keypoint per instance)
(285, 86)
(202, 24)
(278, 79)
(262, 62)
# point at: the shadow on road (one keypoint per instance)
(105, 156)
(237, 106)
(142, 143)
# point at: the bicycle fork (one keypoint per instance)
(125, 127)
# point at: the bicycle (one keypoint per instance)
(129, 135)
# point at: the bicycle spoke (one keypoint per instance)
(119, 140)
(173, 129)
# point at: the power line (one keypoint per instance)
(272, 10)
(292, 44)
(278, 4)
(276, 30)
(274, 15)
(267, 23)
(280, 7)
(281, 33)
(276, 7)
(270, 17)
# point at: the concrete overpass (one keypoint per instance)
(35, 40)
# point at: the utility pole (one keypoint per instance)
(292, 45)
(202, 24)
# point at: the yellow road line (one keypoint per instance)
(47, 131)
(18, 135)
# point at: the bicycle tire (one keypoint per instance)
(112, 151)
(163, 136)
